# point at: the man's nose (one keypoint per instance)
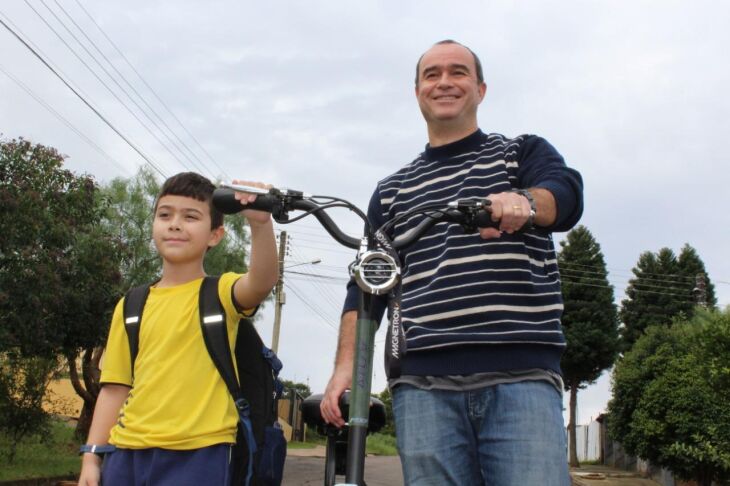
(444, 80)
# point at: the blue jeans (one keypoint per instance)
(503, 435)
(164, 467)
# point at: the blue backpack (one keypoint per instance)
(260, 449)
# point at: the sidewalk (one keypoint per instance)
(607, 476)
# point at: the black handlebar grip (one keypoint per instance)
(225, 202)
(483, 219)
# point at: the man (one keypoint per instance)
(479, 396)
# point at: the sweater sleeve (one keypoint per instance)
(541, 166)
(380, 302)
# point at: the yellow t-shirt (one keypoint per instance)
(178, 399)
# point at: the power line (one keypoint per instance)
(325, 292)
(98, 78)
(596, 267)
(317, 311)
(87, 103)
(64, 120)
(154, 93)
(121, 76)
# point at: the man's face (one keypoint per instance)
(448, 90)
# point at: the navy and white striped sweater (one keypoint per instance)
(472, 305)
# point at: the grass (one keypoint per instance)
(381, 445)
(300, 445)
(56, 456)
(378, 444)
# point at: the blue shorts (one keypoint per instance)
(165, 467)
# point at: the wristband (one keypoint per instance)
(99, 450)
(533, 209)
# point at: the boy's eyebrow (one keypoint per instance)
(171, 207)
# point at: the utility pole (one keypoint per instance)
(700, 290)
(280, 296)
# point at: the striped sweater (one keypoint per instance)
(472, 305)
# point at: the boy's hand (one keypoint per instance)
(90, 470)
(252, 215)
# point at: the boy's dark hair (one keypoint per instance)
(196, 186)
(477, 62)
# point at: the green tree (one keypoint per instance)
(59, 268)
(130, 204)
(670, 398)
(23, 381)
(589, 319)
(654, 295)
(387, 398)
(301, 389)
(663, 287)
(690, 267)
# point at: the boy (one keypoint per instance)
(172, 420)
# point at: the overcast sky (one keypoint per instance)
(318, 96)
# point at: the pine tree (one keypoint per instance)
(589, 319)
(691, 267)
(663, 288)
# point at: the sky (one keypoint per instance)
(319, 96)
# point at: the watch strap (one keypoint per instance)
(99, 450)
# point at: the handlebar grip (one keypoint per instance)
(225, 202)
(483, 219)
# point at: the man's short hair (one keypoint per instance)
(477, 62)
(193, 185)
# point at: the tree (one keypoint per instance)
(300, 389)
(130, 203)
(387, 398)
(670, 398)
(663, 287)
(23, 381)
(691, 267)
(589, 318)
(58, 268)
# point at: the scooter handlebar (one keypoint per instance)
(225, 201)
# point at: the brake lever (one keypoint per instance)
(476, 214)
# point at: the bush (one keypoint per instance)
(670, 398)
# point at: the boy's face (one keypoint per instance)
(181, 229)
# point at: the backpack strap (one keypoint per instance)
(134, 301)
(276, 366)
(215, 336)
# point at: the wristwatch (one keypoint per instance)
(533, 209)
(99, 450)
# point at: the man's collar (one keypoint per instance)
(466, 144)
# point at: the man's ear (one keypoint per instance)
(216, 235)
(482, 90)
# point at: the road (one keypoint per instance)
(305, 467)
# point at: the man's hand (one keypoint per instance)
(330, 406)
(253, 216)
(511, 210)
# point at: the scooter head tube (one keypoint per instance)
(376, 272)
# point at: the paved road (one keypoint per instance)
(306, 468)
